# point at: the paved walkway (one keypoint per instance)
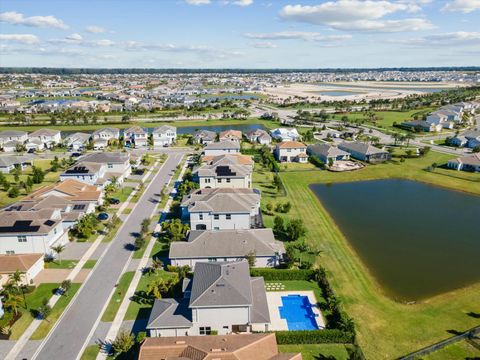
(58, 275)
(71, 333)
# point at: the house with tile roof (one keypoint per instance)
(135, 136)
(230, 135)
(327, 153)
(227, 245)
(291, 151)
(225, 171)
(29, 265)
(47, 137)
(165, 135)
(222, 297)
(365, 152)
(222, 148)
(469, 163)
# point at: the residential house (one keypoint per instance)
(466, 163)
(204, 137)
(49, 138)
(77, 141)
(135, 136)
(164, 135)
(421, 125)
(10, 138)
(117, 164)
(285, 134)
(28, 232)
(29, 265)
(227, 245)
(221, 148)
(291, 151)
(222, 209)
(473, 139)
(231, 135)
(458, 141)
(365, 152)
(221, 298)
(260, 136)
(220, 347)
(102, 137)
(327, 153)
(84, 171)
(226, 171)
(8, 163)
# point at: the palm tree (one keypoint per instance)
(12, 301)
(409, 137)
(145, 225)
(16, 279)
(58, 250)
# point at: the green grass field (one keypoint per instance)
(318, 351)
(90, 352)
(117, 296)
(46, 324)
(61, 264)
(460, 350)
(386, 329)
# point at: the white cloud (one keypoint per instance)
(21, 38)
(74, 37)
(358, 15)
(197, 2)
(465, 6)
(458, 38)
(95, 29)
(296, 35)
(265, 45)
(16, 18)
(241, 2)
(102, 43)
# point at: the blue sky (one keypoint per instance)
(239, 33)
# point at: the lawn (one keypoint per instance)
(61, 264)
(90, 352)
(46, 324)
(318, 351)
(34, 300)
(409, 327)
(142, 310)
(89, 264)
(460, 350)
(117, 296)
(122, 193)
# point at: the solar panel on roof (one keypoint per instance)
(224, 171)
(20, 226)
(49, 222)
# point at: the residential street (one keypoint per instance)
(68, 337)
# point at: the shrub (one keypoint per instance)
(326, 336)
(283, 274)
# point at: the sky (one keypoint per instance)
(239, 33)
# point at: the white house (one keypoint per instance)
(10, 138)
(164, 135)
(106, 134)
(115, 164)
(27, 232)
(222, 209)
(136, 136)
(84, 171)
(291, 151)
(221, 148)
(327, 153)
(230, 135)
(260, 136)
(221, 298)
(49, 138)
(204, 137)
(29, 266)
(226, 171)
(77, 141)
(227, 245)
(8, 162)
(466, 163)
(285, 134)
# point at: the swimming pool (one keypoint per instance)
(298, 313)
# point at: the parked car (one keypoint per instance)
(114, 201)
(76, 154)
(102, 216)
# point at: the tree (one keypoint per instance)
(86, 226)
(174, 230)
(13, 192)
(251, 258)
(476, 149)
(11, 301)
(66, 285)
(145, 225)
(139, 242)
(160, 287)
(44, 310)
(278, 225)
(295, 229)
(37, 175)
(409, 137)
(277, 182)
(123, 343)
(58, 249)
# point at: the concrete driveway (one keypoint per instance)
(78, 322)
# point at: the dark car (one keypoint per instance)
(114, 201)
(76, 154)
(31, 151)
(102, 216)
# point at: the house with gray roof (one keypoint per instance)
(469, 163)
(47, 137)
(227, 245)
(327, 153)
(10, 138)
(9, 162)
(221, 297)
(136, 136)
(365, 152)
(222, 209)
(226, 171)
(77, 141)
(164, 135)
(204, 137)
(222, 147)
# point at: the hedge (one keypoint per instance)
(282, 274)
(326, 336)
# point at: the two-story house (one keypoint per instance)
(117, 165)
(84, 171)
(204, 137)
(28, 232)
(135, 136)
(49, 138)
(10, 138)
(230, 135)
(222, 208)
(227, 245)
(225, 171)
(102, 137)
(260, 136)
(164, 135)
(291, 151)
(77, 141)
(222, 148)
(221, 298)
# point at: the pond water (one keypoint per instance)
(339, 93)
(417, 240)
(244, 128)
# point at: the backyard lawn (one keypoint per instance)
(465, 349)
(318, 351)
(404, 328)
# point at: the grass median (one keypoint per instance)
(117, 297)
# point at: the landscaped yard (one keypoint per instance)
(45, 326)
(318, 351)
(90, 353)
(409, 327)
(296, 285)
(122, 193)
(465, 349)
(117, 296)
(61, 264)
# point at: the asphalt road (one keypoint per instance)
(72, 331)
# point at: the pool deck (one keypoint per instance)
(274, 299)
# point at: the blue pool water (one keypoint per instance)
(297, 310)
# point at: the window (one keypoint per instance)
(216, 217)
(10, 252)
(212, 259)
(228, 180)
(22, 238)
(219, 181)
(207, 330)
(228, 216)
(78, 207)
(207, 181)
(110, 166)
(200, 216)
